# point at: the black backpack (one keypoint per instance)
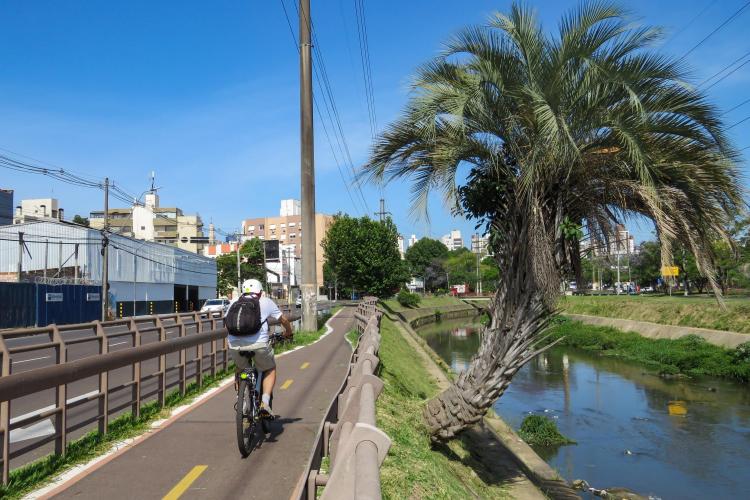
(243, 317)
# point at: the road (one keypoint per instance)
(81, 418)
(197, 454)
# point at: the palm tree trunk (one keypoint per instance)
(519, 314)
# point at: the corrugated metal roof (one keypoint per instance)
(129, 259)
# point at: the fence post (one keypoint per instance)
(61, 398)
(103, 381)
(198, 352)
(162, 364)
(136, 372)
(5, 414)
(181, 368)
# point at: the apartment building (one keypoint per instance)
(480, 244)
(38, 209)
(453, 240)
(287, 229)
(152, 222)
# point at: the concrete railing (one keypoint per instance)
(348, 436)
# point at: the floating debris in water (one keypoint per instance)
(628, 452)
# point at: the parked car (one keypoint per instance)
(215, 306)
(647, 289)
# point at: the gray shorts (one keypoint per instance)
(264, 358)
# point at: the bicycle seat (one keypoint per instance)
(247, 354)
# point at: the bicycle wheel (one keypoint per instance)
(245, 415)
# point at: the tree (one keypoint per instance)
(77, 219)
(422, 254)
(646, 264)
(587, 126)
(251, 266)
(362, 254)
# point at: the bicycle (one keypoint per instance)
(247, 407)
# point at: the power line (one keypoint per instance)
(320, 116)
(722, 70)
(719, 27)
(728, 74)
(737, 123)
(364, 53)
(689, 23)
(735, 107)
(329, 105)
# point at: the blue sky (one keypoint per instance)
(206, 94)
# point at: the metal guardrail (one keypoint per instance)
(148, 339)
(348, 435)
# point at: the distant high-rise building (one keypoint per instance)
(6, 207)
(453, 240)
(400, 245)
(617, 242)
(290, 208)
(412, 240)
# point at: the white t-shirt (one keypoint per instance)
(268, 309)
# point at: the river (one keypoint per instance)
(672, 439)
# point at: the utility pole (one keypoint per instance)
(20, 255)
(309, 286)
(105, 253)
(382, 213)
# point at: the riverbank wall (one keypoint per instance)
(425, 315)
(544, 477)
(720, 338)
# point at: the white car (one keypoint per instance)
(215, 306)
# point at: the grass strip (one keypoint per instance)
(690, 355)
(695, 311)
(353, 337)
(37, 473)
(413, 467)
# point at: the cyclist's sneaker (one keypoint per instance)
(266, 411)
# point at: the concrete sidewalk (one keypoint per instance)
(196, 456)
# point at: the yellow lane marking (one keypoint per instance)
(304, 365)
(185, 483)
(286, 384)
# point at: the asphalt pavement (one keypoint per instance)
(196, 456)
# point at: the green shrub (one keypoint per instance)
(408, 299)
(542, 431)
(741, 353)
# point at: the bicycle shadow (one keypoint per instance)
(275, 427)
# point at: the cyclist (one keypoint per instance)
(259, 343)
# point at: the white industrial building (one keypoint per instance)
(144, 276)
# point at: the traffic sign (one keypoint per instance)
(670, 271)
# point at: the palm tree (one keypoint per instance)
(562, 134)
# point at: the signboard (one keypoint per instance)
(271, 250)
(670, 271)
(458, 289)
(53, 297)
(93, 297)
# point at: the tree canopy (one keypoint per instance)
(251, 266)
(422, 254)
(362, 254)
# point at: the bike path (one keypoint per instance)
(196, 456)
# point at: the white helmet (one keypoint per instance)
(252, 286)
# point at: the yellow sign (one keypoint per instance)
(670, 271)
